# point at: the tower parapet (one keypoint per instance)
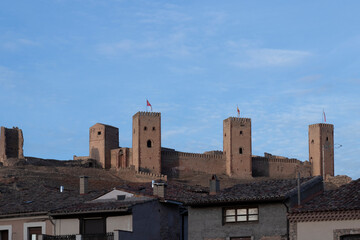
(237, 146)
(321, 149)
(146, 142)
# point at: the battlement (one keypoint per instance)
(237, 119)
(323, 125)
(192, 155)
(279, 160)
(153, 114)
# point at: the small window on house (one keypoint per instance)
(145, 128)
(153, 128)
(99, 133)
(149, 143)
(240, 214)
(240, 150)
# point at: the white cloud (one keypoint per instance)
(266, 57)
(7, 78)
(18, 43)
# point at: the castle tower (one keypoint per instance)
(11, 143)
(321, 149)
(103, 138)
(237, 147)
(146, 142)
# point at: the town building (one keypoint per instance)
(333, 215)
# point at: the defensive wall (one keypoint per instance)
(279, 167)
(174, 162)
(236, 159)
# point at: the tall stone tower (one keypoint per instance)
(11, 143)
(321, 149)
(103, 138)
(146, 142)
(237, 147)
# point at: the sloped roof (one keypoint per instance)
(272, 190)
(346, 197)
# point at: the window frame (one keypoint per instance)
(236, 208)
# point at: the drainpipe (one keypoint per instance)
(287, 221)
(52, 222)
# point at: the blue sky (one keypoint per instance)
(68, 64)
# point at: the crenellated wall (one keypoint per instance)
(279, 167)
(174, 162)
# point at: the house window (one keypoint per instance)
(32, 230)
(350, 237)
(241, 214)
(6, 232)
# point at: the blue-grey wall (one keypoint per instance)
(207, 222)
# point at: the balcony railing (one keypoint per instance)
(106, 236)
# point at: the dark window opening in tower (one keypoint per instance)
(149, 143)
(327, 139)
(145, 128)
(153, 128)
(312, 141)
(240, 150)
(241, 132)
(99, 133)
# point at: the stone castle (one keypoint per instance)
(147, 155)
(236, 159)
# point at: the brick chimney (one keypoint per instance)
(84, 184)
(214, 185)
(159, 189)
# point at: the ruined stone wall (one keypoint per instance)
(121, 158)
(279, 167)
(174, 162)
(11, 143)
(103, 138)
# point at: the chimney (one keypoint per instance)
(84, 184)
(214, 185)
(159, 189)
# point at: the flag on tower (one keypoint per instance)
(324, 115)
(148, 105)
(238, 110)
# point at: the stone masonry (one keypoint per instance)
(236, 159)
(11, 144)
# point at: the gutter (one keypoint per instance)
(23, 214)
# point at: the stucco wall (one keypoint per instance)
(323, 230)
(206, 223)
(19, 226)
